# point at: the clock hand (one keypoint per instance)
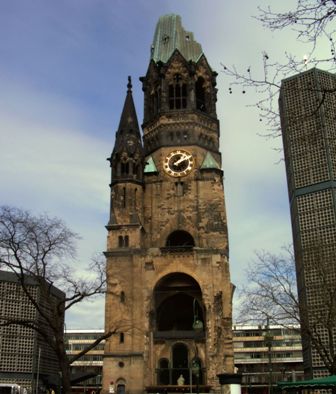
(181, 159)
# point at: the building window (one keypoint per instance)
(121, 337)
(177, 93)
(124, 197)
(126, 241)
(123, 241)
(121, 389)
(163, 377)
(200, 94)
(122, 297)
(125, 168)
(120, 241)
(180, 238)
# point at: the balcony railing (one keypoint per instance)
(169, 376)
(177, 249)
(179, 334)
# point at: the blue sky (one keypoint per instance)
(63, 75)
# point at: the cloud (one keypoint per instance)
(63, 79)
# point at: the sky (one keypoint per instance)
(63, 75)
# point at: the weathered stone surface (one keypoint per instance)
(167, 246)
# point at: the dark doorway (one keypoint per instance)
(180, 363)
(121, 389)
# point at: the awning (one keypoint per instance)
(327, 382)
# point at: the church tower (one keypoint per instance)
(169, 292)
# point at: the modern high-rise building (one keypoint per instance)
(26, 358)
(169, 290)
(308, 112)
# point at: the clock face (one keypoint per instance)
(178, 163)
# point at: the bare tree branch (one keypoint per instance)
(271, 294)
(40, 250)
(312, 20)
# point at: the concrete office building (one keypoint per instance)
(25, 358)
(266, 355)
(308, 111)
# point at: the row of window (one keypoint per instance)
(177, 238)
(261, 343)
(123, 241)
(177, 95)
(265, 355)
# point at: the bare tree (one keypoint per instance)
(312, 22)
(41, 249)
(271, 294)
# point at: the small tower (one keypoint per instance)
(127, 161)
(169, 289)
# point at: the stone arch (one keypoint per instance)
(180, 239)
(178, 304)
(120, 386)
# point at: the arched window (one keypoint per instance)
(200, 94)
(120, 241)
(125, 168)
(124, 197)
(122, 297)
(121, 388)
(178, 305)
(123, 241)
(163, 376)
(154, 101)
(121, 337)
(126, 241)
(180, 363)
(177, 93)
(180, 239)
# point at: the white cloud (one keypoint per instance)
(63, 78)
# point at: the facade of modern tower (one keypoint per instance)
(169, 290)
(307, 107)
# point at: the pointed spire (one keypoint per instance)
(128, 119)
(129, 85)
(127, 156)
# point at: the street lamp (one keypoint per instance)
(195, 368)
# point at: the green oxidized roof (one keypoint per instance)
(209, 162)
(150, 165)
(170, 35)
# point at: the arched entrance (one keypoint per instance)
(179, 306)
(179, 323)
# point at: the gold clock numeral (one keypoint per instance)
(178, 163)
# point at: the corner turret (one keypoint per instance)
(127, 164)
(127, 159)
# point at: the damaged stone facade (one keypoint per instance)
(169, 290)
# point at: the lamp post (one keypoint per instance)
(195, 368)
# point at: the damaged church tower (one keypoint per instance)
(169, 290)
